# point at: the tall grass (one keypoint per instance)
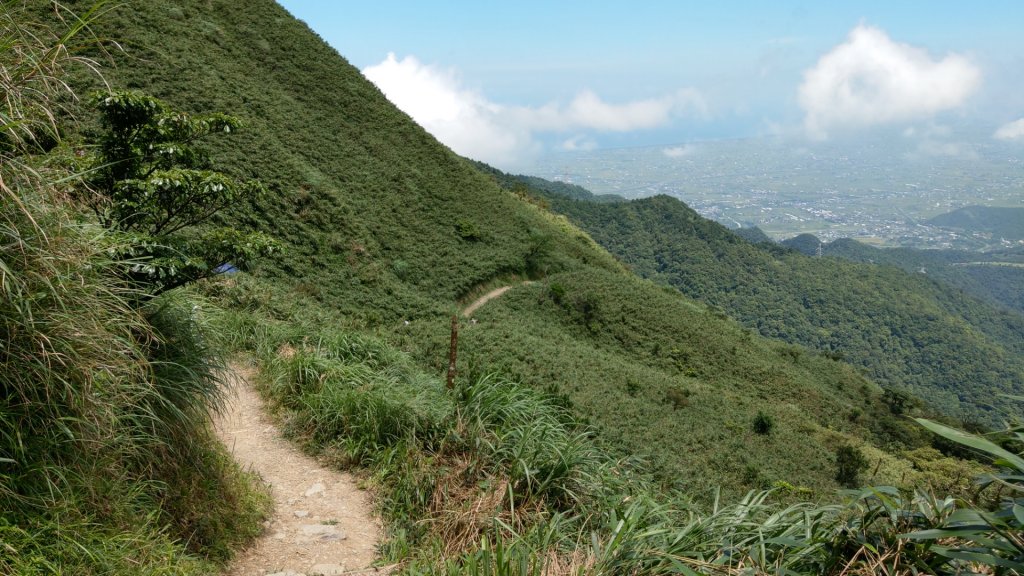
(33, 86)
(107, 464)
(492, 478)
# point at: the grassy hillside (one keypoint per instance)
(667, 379)
(380, 222)
(905, 330)
(380, 225)
(493, 477)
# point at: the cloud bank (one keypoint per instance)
(871, 80)
(1011, 131)
(471, 125)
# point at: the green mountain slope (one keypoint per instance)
(366, 201)
(386, 230)
(663, 377)
(907, 331)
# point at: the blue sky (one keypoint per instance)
(505, 82)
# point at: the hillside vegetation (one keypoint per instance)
(492, 477)
(1001, 222)
(594, 415)
(107, 463)
(907, 331)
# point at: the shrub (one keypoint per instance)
(107, 465)
(468, 230)
(557, 292)
(678, 398)
(763, 423)
(152, 185)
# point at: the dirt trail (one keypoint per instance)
(322, 523)
(468, 310)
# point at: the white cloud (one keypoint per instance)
(872, 80)
(579, 143)
(473, 126)
(463, 119)
(1012, 131)
(678, 151)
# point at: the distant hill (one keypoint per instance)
(752, 234)
(807, 244)
(556, 187)
(905, 330)
(996, 276)
(385, 230)
(1001, 222)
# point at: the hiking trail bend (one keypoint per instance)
(322, 523)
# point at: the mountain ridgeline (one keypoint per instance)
(906, 330)
(384, 229)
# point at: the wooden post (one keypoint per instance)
(453, 352)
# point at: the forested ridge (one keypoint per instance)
(995, 276)
(382, 228)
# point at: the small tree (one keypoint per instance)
(152, 184)
(897, 400)
(850, 461)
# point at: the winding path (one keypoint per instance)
(468, 310)
(322, 522)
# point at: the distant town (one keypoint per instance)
(880, 191)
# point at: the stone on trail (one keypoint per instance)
(322, 532)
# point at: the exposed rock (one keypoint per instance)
(322, 532)
(315, 490)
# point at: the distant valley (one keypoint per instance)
(884, 191)
(918, 322)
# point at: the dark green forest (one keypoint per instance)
(995, 276)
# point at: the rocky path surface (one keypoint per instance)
(322, 522)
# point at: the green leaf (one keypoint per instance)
(973, 441)
(936, 533)
(683, 568)
(979, 557)
(786, 541)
